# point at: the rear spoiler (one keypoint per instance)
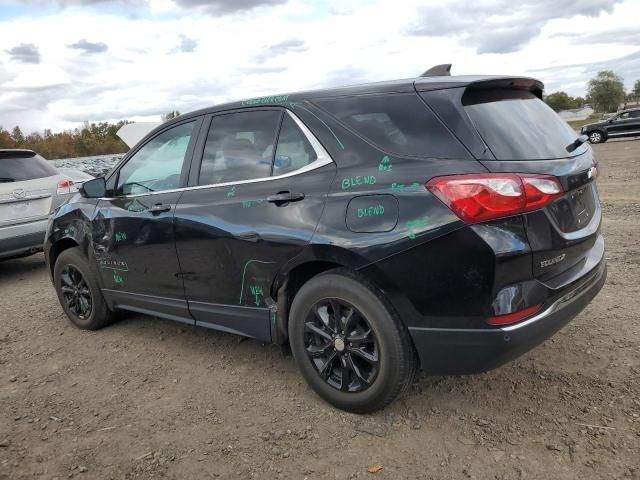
(17, 153)
(423, 84)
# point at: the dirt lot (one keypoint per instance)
(148, 398)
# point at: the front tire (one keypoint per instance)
(78, 291)
(348, 342)
(596, 136)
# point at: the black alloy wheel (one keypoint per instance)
(78, 290)
(75, 292)
(342, 346)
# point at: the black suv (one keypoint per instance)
(442, 223)
(623, 124)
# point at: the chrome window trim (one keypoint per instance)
(323, 158)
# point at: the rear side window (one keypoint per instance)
(294, 150)
(240, 146)
(517, 125)
(400, 124)
(21, 168)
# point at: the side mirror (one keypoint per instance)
(95, 188)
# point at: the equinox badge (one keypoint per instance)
(552, 261)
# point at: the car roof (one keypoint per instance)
(406, 85)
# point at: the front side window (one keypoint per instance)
(157, 166)
(240, 146)
(399, 123)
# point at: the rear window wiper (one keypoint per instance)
(578, 141)
(7, 179)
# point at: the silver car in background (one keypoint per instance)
(30, 189)
(78, 176)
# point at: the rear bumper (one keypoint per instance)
(21, 239)
(461, 351)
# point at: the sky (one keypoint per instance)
(64, 62)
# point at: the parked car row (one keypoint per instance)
(31, 188)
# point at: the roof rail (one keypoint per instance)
(443, 70)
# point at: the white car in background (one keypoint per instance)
(30, 189)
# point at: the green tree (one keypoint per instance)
(606, 91)
(558, 101)
(17, 136)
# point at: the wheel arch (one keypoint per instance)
(57, 248)
(309, 264)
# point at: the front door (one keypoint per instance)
(134, 241)
(261, 189)
(624, 124)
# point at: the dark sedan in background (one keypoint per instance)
(623, 124)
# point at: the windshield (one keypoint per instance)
(517, 125)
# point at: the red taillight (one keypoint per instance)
(66, 186)
(485, 196)
(513, 317)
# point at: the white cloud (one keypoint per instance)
(142, 70)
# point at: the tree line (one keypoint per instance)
(92, 139)
(605, 93)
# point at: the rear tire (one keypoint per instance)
(596, 136)
(361, 363)
(78, 291)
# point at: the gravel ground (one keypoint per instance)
(147, 398)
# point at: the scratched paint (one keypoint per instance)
(266, 100)
(416, 224)
(401, 187)
(351, 182)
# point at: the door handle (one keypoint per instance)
(282, 198)
(159, 208)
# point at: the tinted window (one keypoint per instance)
(21, 168)
(239, 147)
(294, 150)
(635, 113)
(158, 164)
(400, 124)
(517, 125)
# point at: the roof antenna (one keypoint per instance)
(443, 70)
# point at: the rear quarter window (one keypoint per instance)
(21, 168)
(517, 125)
(398, 123)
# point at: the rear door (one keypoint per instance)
(256, 199)
(133, 228)
(526, 136)
(27, 187)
